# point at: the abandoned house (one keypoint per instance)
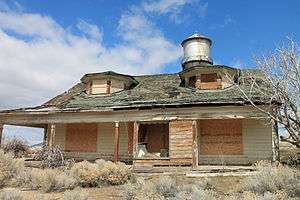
(197, 116)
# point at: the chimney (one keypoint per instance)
(196, 51)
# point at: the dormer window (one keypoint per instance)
(107, 83)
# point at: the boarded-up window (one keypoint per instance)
(192, 81)
(221, 137)
(209, 77)
(81, 137)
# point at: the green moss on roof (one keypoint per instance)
(154, 90)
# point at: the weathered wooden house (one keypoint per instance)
(197, 116)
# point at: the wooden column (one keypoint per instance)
(275, 142)
(116, 142)
(1, 131)
(45, 139)
(195, 145)
(135, 139)
(51, 135)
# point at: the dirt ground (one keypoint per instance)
(222, 184)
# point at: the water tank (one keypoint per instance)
(196, 51)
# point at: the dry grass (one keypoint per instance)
(11, 194)
(9, 166)
(101, 173)
(273, 179)
(46, 180)
(16, 146)
(76, 195)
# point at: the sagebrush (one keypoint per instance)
(18, 147)
(9, 167)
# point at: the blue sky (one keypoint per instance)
(46, 46)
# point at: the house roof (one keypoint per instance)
(162, 90)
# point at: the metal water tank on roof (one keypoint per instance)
(196, 51)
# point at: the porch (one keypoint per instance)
(153, 138)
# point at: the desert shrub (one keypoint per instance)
(291, 158)
(46, 180)
(16, 146)
(113, 173)
(53, 158)
(8, 167)
(75, 195)
(101, 173)
(49, 180)
(273, 179)
(86, 173)
(11, 194)
(166, 187)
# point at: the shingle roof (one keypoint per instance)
(161, 90)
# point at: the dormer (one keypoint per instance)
(106, 83)
(198, 69)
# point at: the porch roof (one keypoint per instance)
(162, 90)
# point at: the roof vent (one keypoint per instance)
(196, 51)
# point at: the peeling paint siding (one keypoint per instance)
(257, 145)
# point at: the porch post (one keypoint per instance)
(195, 145)
(1, 131)
(45, 139)
(135, 139)
(52, 135)
(116, 142)
(275, 142)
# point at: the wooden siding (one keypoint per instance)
(221, 137)
(181, 139)
(81, 137)
(257, 145)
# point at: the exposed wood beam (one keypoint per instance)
(1, 131)
(116, 142)
(45, 139)
(195, 145)
(135, 138)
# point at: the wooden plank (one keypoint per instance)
(130, 130)
(135, 138)
(116, 142)
(195, 145)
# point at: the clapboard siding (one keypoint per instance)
(257, 145)
(180, 139)
(60, 135)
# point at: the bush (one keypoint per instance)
(166, 187)
(16, 146)
(273, 179)
(291, 158)
(86, 173)
(101, 173)
(53, 158)
(113, 173)
(9, 166)
(46, 180)
(11, 194)
(75, 195)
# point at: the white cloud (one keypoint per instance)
(174, 8)
(39, 58)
